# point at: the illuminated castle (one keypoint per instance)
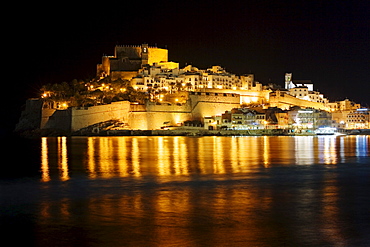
(174, 96)
(127, 60)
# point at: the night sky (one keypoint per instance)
(323, 41)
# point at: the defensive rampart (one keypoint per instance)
(85, 116)
(152, 115)
(198, 105)
(284, 101)
(210, 104)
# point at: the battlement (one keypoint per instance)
(138, 46)
(221, 94)
(130, 58)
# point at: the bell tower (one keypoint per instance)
(288, 81)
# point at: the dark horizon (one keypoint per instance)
(326, 42)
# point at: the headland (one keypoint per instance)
(137, 91)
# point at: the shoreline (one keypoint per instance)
(32, 134)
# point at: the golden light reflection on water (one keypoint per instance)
(266, 154)
(164, 156)
(218, 156)
(304, 149)
(330, 210)
(63, 158)
(50, 157)
(180, 151)
(306, 205)
(328, 154)
(135, 157)
(45, 177)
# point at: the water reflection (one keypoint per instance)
(362, 146)
(54, 154)
(194, 191)
(304, 150)
(44, 160)
(301, 209)
(63, 158)
(108, 157)
(327, 149)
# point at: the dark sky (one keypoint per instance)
(324, 41)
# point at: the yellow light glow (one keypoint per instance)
(91, 157)
(63, 158)
(45, 176)
(135, 157)
(218, 156)
(266, 148)
(164, 165)
(180, 156)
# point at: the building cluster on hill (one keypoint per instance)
(160, 94)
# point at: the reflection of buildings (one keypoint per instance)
(106, 157)
(54, 154)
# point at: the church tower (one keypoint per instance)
(288, 81)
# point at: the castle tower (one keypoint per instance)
(144, 54)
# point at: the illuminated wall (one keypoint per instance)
(86, 116)
(210, 104)
(124, 75)
(155, 120)
(131, 58)
(200, 104)
(254, 95)
(285, 101)
(157, 55)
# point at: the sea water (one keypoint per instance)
(187, 191)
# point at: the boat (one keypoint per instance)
(325, 131)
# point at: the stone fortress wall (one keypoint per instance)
(285, 101)
(145, 117)
(153, 115)
(198, 105)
